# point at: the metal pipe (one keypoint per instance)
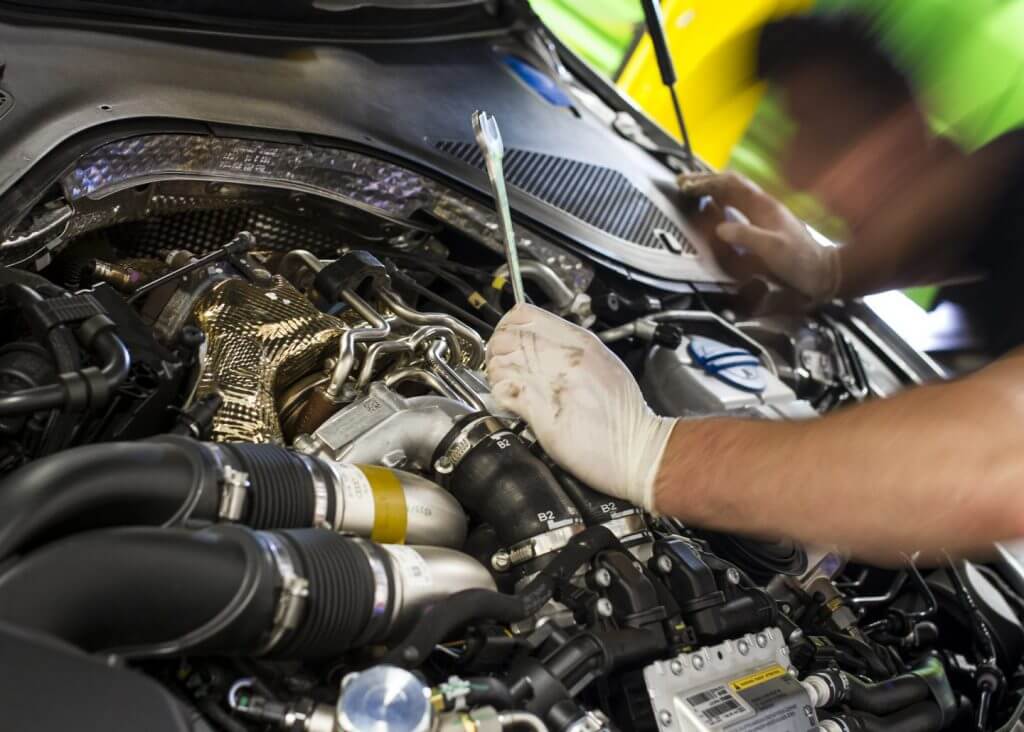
(435, 357)
(522, 719)
(635, 328)
(374, 354)
(378, 329)
(415, 317)
(420, 376)
(566, 301)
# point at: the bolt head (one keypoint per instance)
(732, 576)
(676, 666)
(697, 661)
(665, 717)
(603, 578)
(604, 607)
(761, 639)
(664, 564)
(743, 647)
(500, 561)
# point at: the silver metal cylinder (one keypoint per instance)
(425, 575)
(393, 506)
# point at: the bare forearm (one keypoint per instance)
(937, 467)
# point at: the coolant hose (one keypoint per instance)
(302, 593)
(171, 480)
(493, 474)
(927, 682)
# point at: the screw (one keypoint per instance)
(676, 667)
(732, 576)
(664, 564)
(743, 647)
(604, 607)
(785, 608)
(761, 639)
(501, 560)
(665, 717)
(602, 577)
(697, 661)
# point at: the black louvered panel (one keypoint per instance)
(599, 196)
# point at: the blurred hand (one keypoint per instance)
(580, 401)
(771, 242)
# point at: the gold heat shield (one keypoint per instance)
(259, 341)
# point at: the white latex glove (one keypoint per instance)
(580, 401)
(770, 241)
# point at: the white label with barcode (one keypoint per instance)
(717, 705)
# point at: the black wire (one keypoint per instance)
(427, 294)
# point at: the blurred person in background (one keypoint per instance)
(937, 467)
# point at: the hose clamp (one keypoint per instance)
(234, 490)
(628, 527)
(294, 590)
(471, 435)
(541, 544)
(381, 592)
(320, 502)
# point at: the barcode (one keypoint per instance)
(701, 698)
(721, 708)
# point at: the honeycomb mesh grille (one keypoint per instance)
(201, 232)
(596, 195)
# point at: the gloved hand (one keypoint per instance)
(774, 242)
(580, 400)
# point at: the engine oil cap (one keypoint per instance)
(384, 699)
(734, 366)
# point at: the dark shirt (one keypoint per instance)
(994, 304)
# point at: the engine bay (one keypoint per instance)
(250, 457)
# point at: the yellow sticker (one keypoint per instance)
(390, 516)
(476, 300)
(498, 283)
(758, 677)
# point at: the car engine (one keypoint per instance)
(252, 463)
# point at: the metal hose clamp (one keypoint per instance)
(541, 544)
(471, 435)
(320, 501)
(294, 590)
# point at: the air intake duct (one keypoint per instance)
(302, 593)
(171, 480)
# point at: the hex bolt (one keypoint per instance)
(743, 647)
(604, 607)
(665, 717)
(676, 666)
(664, 564)
(761, 639)
(602, 577)
(697, 661)
(732, 576)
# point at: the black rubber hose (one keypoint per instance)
(921, 717)
(141, 590)
(160, 482)
(155, 592)
(882, 698)
(93, 387)
(111, 484)
(927, 682)
(468, 606)
(501, 483)
(594, 507)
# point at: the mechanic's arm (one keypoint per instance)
(920, 234)
(937, 467)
